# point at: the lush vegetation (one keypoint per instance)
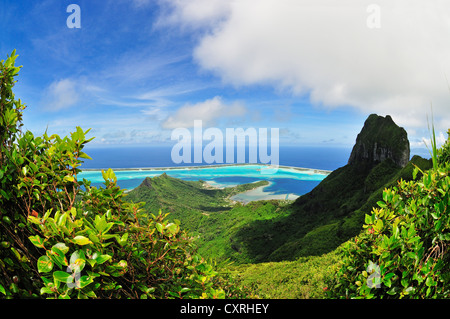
(318, 222)
(366, 231)
(178, 196)
(304, 278)
(273, 230)
(403, 250)
(207, 213)
(62, 238)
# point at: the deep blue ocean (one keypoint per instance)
(160, 156)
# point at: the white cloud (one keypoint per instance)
(426, 141)
(327, 50)
(61, 94)
(209, 111)
(196, 13)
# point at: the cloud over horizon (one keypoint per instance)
(330, 52)
(313, 68)
(209, 111)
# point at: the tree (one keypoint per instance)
(62, 238)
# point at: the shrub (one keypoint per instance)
(403, 250)
(62, 238)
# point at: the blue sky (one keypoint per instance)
(137, 69)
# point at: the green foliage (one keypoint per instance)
(108, 255)
(206, 212)
(443, 153)
(304, 278)
(317, 222)
(404, 244)
(62, 238)
(16, 269)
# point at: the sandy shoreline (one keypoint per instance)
(258, 193)
(301, 169)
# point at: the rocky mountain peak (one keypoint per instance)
(380, 139)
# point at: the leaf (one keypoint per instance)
(123, 240)
(73, 212)
(379, 225)
(58, 256)
(44, 264)
(381, 204)
(81, 240)
(62, 219)
(159, 227)
(68, 178)
(430, 282)
(34, 220)
(101, 225)
(94, 237)
(62, 247)
(46, 290)
(172, 228)
(63, 276)
(84, 281)
(84, 155)
(37, 241)
(78, 254)
(102, 259)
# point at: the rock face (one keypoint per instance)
(380, 139)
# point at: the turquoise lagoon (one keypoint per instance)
(285, 182)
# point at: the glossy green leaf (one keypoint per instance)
(37, 241)
(84, 281)
(62, 247)
(81, 240)
(44, 264)
(57, 256)
(102, 259)
(63, 276)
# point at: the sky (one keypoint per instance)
(135, 70)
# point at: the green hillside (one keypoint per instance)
(207, 213)
(304, 278)
(314, 224)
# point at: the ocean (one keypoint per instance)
(133, 164)
(160, 156)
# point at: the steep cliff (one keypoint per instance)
(380, 139)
